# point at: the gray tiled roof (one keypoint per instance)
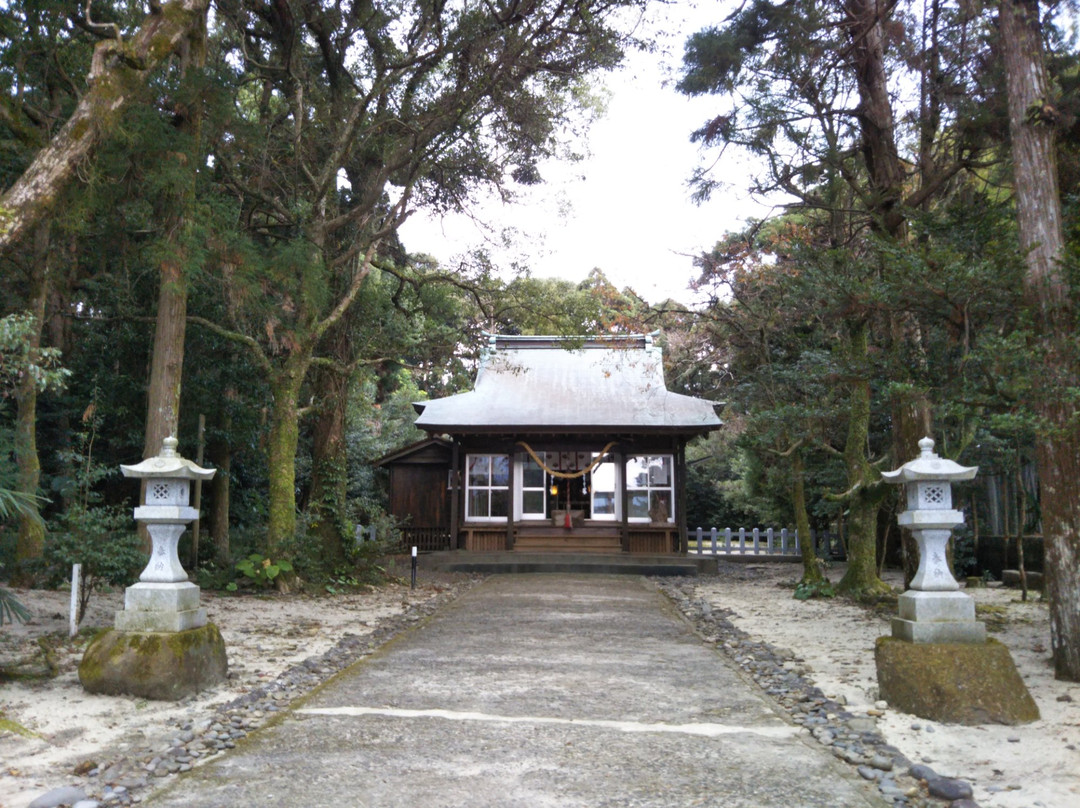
(536, 384)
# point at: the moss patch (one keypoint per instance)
(956, 683)
(7, 725)
(162, 666)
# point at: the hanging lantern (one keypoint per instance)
(554, 488)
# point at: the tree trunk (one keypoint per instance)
(118, 69)
(811, 568)
(911, 422)
(30, 543)
(59, 332)
(167, 362)
(876, 123)
(221, 454)
(327, 500)
(911, 416)
(1038, 208)
(284, 438)
(863, 498)
(1021, 520)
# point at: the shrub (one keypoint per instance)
(261, 570)
(102, 540)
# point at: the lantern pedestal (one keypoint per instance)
(163, 647)
(927, 617)
(161, 607)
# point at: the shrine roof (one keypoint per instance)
(569, 384)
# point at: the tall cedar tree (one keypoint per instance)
(1032, 119)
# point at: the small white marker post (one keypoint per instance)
(73, 609)
(414, 567)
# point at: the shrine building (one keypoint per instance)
(564, 444)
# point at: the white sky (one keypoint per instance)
(626, 209)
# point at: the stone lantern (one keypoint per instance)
(163, 647)
(164, 599)
(938, 663)
(933, 610)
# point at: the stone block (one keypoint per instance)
(153, 665)
(936, 606)
(161, 597)
(957, 683)
(958, 631)
(160, 621)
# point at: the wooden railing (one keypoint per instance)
(425, 539)
(758, 541)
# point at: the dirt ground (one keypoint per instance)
(1031, 766)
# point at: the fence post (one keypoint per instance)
(73, 610)
(727, 539)
(371, 533)
(757, 541)
(769, 540)
(712, 539)
(798, 546)
(783, 541)
(700, 549)
(742, 539)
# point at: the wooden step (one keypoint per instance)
(567, 543)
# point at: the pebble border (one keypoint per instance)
(851, 738)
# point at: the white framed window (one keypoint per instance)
(650, 488)
(487, 487)
(533, 489)
(604, 493)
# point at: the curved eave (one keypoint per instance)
(562, 429)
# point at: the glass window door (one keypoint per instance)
(605, 500)
(487, 484)
(533, 490)
(650, 486)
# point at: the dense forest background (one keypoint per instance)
(199, 236)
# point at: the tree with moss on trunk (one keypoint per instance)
(1032, 121)
(808, 90)
(346, 122)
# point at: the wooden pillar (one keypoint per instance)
(680, 495)
(624, 504)
(455, 496)
(510, 502)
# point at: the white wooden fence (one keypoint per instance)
(758, 541)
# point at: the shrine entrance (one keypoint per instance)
(572, 445)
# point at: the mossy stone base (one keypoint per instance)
(955, 683)
(165, 666)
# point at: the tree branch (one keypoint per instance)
(112, 82)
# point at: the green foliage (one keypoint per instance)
(805, 590)
(17, 359)
(261, 571)
(11, 609)
(102, 539)
(13, 503)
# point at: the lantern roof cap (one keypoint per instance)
(929, 466)
(168, 464)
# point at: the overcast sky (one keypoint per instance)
(627, 208)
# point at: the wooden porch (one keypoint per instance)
(606, 538)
